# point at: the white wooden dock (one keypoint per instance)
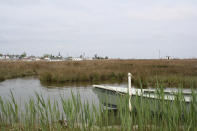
(167, 94)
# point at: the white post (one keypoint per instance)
(129, 83)
(129, 90)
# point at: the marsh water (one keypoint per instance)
(25, 88)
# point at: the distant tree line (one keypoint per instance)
(99, 57)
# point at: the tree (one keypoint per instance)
(95, 56)
(106, 57)
(46, 55)
(23, 55)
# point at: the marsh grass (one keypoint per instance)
(171, 73)
(44, 114)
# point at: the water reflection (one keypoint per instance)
(24, 88)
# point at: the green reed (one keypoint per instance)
(47, 114)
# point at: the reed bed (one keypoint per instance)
(170, 73)
(45, 114)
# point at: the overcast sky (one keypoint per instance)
(114, 28)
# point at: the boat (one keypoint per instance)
(110, 95)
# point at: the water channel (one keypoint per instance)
(24, 88)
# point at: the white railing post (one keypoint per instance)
(129, 90)
(129, 83)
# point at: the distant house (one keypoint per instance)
(47, 59)
(7, 57)
(168, 57)
(15, 58)
(56, 60)
(75, 58)
(88, 59)
(26, 59)
(37, 59)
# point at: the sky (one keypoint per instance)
(115, 28)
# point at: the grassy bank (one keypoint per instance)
(41, 114)
(168, 72)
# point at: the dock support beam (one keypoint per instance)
(129, 90)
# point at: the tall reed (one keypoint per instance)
(46, 114)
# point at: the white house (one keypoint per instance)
(7, 57)
(1, 58)
(47, 59)
(75, 58)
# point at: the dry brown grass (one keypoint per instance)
(148, 72)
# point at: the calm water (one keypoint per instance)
(24, 88)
